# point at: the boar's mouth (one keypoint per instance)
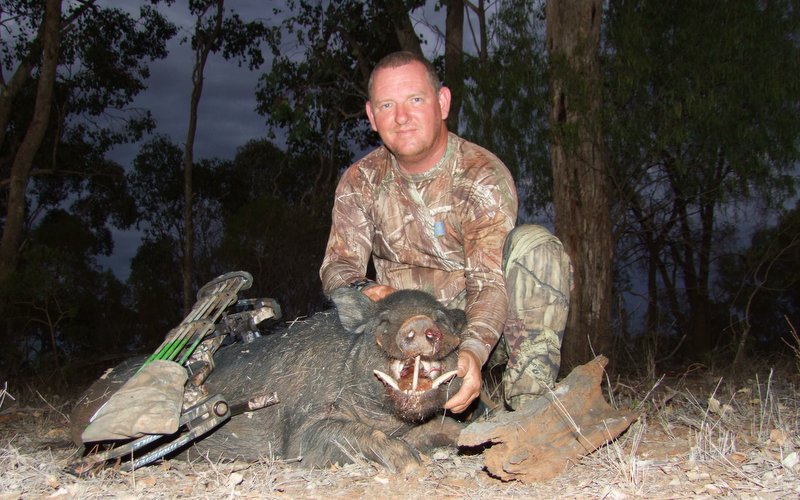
(415, 377)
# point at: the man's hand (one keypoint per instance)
(377, 292)
(469, 368)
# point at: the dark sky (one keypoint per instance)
(227, 117)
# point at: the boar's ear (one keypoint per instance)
(355, 309)
(459, 319)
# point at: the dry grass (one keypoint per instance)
(794, 346)
(698, 436)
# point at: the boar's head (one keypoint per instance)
(418, 339)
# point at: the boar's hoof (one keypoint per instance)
(395, 454)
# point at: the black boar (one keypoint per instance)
(365, 378)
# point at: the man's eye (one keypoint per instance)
(386, 105)
(416, 100)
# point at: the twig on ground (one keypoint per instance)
(644, 400)
(3, 393)
(66, 418)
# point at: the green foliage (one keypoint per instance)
(57, 301)
(103, 66)
(155, 286)
(315, 92)
(58, 305)
(506, 100)
(261, 169)
(282, 247)
(238, 40)
(105, 57)
(254, 213)
(762, 284)
(702, 104)
(701, 117)
(708, 88)
(156, 184)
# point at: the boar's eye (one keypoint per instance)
(382, 328)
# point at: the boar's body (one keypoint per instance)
(332, 405)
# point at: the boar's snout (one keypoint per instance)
(419, 336)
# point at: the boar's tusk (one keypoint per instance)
(446, 377)
(386, 379)
(416, 374)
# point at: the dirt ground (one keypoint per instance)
(698, 435)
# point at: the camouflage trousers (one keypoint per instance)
(538, 276)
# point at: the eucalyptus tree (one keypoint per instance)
(156, 183)
(74, 70)
(281, 245)
(50, 41)
(60, 307)
(762, 284)
(703, 120)
(70, 71)
(277, 229)
(214, 31)
(581, 180)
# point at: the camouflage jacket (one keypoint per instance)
(441, 231)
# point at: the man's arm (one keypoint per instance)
(350, 241)
(491, 214)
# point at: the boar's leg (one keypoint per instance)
(332, 440)
(435, 433)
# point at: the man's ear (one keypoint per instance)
(444, 102)
(371, 116)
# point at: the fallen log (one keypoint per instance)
(543, 439)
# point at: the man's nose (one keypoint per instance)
(401, 114)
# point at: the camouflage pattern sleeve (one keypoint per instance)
(350, 241)
(491, 211)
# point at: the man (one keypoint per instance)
(435, 212)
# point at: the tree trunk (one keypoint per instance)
(453, 59)
(580, 173)
(23, 160)
(204, 44)
(403, 27)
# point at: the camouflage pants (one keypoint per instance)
(538, 278)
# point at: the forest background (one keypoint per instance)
(659, 139)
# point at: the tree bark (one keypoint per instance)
(581, 188)
(23, 160)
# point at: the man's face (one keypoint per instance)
(409, 115)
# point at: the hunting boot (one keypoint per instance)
(538, 277)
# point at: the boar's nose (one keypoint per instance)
(419, 335)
